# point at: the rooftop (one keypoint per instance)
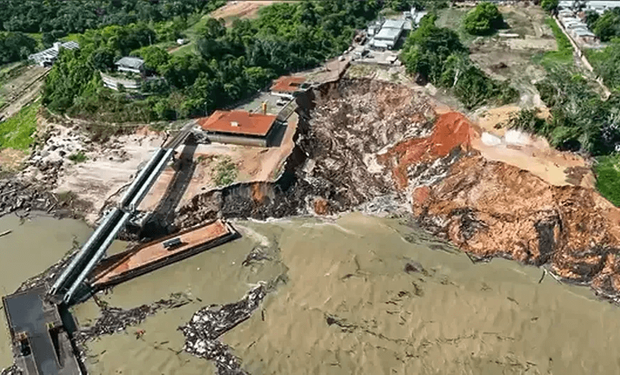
(380, 43)
(238, 122)
(70, 45)
(388, 34)
(583, 32)
(52, 52)
(287, 84)
(393, 24)
(131, 62)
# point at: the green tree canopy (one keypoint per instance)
(484, 19)
(437, 55)
(549, 5)
(15, 47)
(607, 26)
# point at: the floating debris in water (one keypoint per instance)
(13, 370)
(114, 319)
(209, 323)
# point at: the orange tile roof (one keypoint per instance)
(247, 123)
(287, 84)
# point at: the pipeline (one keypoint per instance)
(130, 193)
(146, 186)
(114, 222)
(103, 229)
(96, 257)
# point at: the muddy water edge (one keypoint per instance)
(34, 244)
(361, 294)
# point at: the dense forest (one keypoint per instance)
(15, 47)
(437, 55)
(76, 16)
(230, 63)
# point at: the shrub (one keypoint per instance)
(225, 172)
(78, 157)
(484, 19)
(608, 177)
(549, 5)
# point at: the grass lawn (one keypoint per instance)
(187, 49)
(71, 37)
(17, 131)
(564, 54)
(452, 18)
(608, 177)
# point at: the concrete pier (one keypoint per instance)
(41, 344)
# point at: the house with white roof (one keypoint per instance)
(47, 57)
(131, 65)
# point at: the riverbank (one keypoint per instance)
(385, 149)
(355, 294)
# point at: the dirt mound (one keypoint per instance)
(491, 208)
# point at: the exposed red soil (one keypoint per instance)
(490, 208)
(451, 130)
(321, 206)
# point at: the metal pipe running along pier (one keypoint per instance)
(89, 255)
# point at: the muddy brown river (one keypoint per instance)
(359, 294)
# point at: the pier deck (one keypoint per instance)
(148, 257)
(40, 342)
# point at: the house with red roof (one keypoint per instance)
(239, 127)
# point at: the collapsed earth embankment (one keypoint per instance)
(360, 140)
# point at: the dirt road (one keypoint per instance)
(21, 90)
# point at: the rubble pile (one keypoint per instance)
(351, 124)
(334, 165)
(490, 208)
(13, 370)
(114, 319)
(372, 145)
(17, 196)
(209, 323)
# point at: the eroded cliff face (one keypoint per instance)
(491, 208)
(363, 140)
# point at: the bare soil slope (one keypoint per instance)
(373, 145)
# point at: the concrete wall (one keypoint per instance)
(112, 82)
(238, 140)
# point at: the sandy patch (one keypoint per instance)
(107, 169)
(240, 9)
(11, 160)
(539, 158)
